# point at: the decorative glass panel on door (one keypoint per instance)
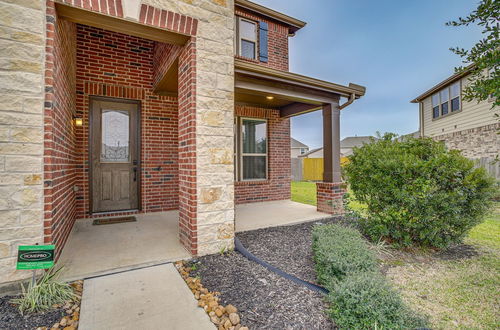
(115, 136)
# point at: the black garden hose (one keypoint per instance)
(241, 249)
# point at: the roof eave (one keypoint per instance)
(451, 79)
(346, 91)
(294, 24)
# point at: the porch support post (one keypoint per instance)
(331, 143)
(330, 192)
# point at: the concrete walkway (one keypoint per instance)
(149, 298)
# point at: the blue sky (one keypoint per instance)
(396, 48)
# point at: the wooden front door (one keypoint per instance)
(114, 154)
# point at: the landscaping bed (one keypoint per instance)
(287, 247)
(10, 318)
(60, 317)
(264, 299)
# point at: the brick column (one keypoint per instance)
(330, 197)
(188, 234)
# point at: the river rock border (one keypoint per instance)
(224, 317)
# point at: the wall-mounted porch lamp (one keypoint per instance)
(78, 121)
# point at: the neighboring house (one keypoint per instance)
(414, 135)
(123, 107)
(346, 146)
(314, 153)
(297, 148)
(350, 142)
(467, 126)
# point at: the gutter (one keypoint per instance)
(258, 71)
(351, 99)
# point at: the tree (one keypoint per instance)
(483, 59)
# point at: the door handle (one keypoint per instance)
(135, 173)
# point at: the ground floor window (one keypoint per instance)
(250, 149)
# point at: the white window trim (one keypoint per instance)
(240, 38)
(240, 154)
(450, 112)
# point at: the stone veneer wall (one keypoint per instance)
(479, 142)
(207, 211)
(277, 186)
(22, 58)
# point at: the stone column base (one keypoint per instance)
(330, 197)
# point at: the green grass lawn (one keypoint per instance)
(304, 192)
(462, 292)
(458, 292)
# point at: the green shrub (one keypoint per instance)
(417, 192)
(339, 251)
(47, 292)
(367, 301)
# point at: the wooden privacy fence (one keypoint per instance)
(491, 165)
(312, 169)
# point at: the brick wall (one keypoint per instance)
(60, 140)
(188, 206)
(121, 66)
(277, 186)
(277, 41)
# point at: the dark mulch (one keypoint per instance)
(287, 247)
(10, 318)
(264, 299)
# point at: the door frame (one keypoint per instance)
(91, 149)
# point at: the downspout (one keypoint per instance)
(351, 99)
(421, 118)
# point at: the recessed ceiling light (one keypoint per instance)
(269, 97)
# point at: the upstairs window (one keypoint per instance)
(455, 97)
(435, 105)
(444, 95)
(247, 38)
(446, 101)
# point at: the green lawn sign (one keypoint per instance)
(35, 256)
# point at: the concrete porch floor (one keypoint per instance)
(273, 214)
(153, 238)
(97, 250)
